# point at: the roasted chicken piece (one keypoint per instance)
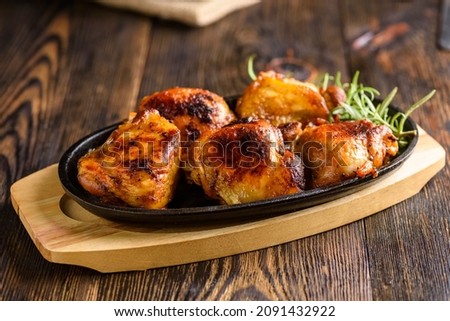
(333, 95)
(137, 165)
(336, 152)
(245, 162)
(195, 112)
(291, 133)
(281, 100)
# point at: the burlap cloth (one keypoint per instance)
(191, 12)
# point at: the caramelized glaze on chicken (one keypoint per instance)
(338, 151)
(245, 162)
(137, 165)
(195, 112)
(281, 145)
(281, 100)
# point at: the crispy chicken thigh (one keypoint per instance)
(335, 152)
(282, 100)
(195, 112)
(137, 165)
(245, 162)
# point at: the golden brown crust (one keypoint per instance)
(137, 165)
(246, 161)
(281, 100)
(194, 111)
(339, 151)
(234, 160)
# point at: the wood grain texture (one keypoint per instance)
(68, 68)
(220, 65)
(46, 120)
(31, 92)
(66, 233)
(414, 232)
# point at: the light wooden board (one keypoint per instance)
(66, 233)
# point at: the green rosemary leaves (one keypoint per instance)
(362, 103)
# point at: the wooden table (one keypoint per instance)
(67, 69)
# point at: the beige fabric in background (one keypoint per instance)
(192, 12)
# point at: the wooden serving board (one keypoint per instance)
(66, 233)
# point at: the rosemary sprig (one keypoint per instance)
(250, 69)
(361, 104)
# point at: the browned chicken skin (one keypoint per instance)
(245, 162)
(137, 165)
(194, 111)
(291, 133)
(281, 100)
(333, 96)
(338, 151)
(234, 161)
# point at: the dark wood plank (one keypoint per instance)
(215, 57)
(106, 63)
(29, 91)
(328, 266)
(76, 71)
(404, 240)
(76, 67)
(25, 82)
